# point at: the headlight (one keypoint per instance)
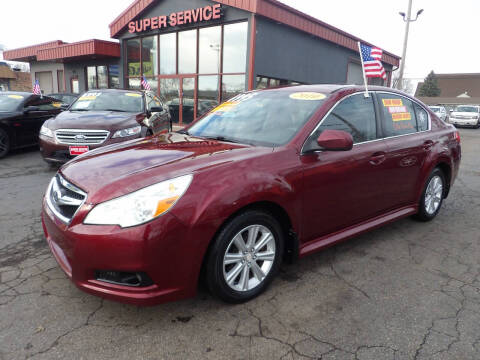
(45, 131)
(128, 132)
(140, 206)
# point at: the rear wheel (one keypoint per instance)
(4, 143)
(245, 257)
(432, 196)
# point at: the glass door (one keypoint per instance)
(179, 93)
(188, 100)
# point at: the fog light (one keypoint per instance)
(133, 279)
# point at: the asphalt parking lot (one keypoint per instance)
(406, 291)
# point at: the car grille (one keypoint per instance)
(64, 199)
(81, 137)
(465, 117)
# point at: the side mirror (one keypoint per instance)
(451, 110)
(335, 140)
(64, 106)
(156, 109)
(30, 109)
(140, 118)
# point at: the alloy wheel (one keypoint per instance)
(433, 195)
(249, 258)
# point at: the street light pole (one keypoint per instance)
(408, 19)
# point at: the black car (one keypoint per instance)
(66, 99)
(22, 115)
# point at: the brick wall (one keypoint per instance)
(23, 82)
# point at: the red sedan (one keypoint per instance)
(267, 176)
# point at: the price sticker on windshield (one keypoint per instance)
(15, 97)
(89, 96)
(309, 96)
(133, 95)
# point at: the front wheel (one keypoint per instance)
(4, 143)
(245, 257)
(432, 196)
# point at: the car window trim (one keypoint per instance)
(302, 152)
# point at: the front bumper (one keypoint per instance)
(159, 249)
(54, 152)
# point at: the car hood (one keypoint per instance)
(119, 169)
(467, 114)
(93, 120)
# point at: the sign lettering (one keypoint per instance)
(192, 16)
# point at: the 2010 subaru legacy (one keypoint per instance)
(268, 176)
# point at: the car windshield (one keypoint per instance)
(270, 118)
(435, 109)
(109, 101)
(10, 102)
(471, 109)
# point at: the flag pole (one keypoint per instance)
(363, 70)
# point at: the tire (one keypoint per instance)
(432, 196)
(4, 143)
(248, 282)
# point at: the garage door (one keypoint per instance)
(45, 79)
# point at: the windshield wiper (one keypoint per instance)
(79, 109)
(117, 110)
(183, 132)
(221, 138)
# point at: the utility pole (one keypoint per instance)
(408, 19)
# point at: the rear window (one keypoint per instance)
(398, 115)
(10, 102)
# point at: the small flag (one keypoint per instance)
(372, 61)
(36, 88)
(145, 84)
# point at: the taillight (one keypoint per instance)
(456, 136)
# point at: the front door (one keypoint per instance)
(342, 188)
(179, 93)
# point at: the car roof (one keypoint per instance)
(117, 90)
(332, 88)
(68, 94)
(16, 93)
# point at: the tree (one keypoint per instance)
(407, 85)
(430, 86)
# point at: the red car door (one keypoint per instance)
(345, 187)
(405, 126)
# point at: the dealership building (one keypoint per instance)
(197, 53)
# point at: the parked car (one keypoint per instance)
(440, 112)
(66, 99)
(102, 117)
(269, 175)
(22, 114)
(466, 115)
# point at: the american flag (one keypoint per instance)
(372, 61)
(145, 84)
(36, 88)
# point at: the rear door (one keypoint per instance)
(406, 127)
(342, 188)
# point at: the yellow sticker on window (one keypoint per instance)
(402, 117)
(15, 97)
(392, 102)
(87, 98)
(310, 96)
(133, 95)
(57, 104)
(226, 106)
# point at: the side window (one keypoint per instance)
(44, 103)
(398, 115)
(355, 115)
(422, 117)
(153, 101)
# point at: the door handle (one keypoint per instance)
(427, 145)
(378, 158)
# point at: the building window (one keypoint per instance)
(60, 81)
(133, 57)
(354, 73)
(91, 77)
(187, 52)
(102, 77)
(232, 85)
(150, 56)
(235, 48)
(113, 76)
(98, 77)
(168, 54)
(210, 50)
(264, 82)
(207, 93)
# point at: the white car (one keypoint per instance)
(440, 112)
(466, 115)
